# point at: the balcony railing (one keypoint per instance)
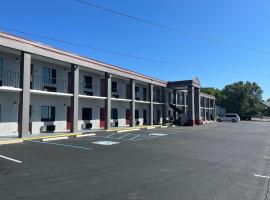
(10, 79)
(50, 84)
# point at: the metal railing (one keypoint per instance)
(50, 84)
(10, 79)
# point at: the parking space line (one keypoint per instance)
(134, 137)
(11, 159)
(261, 176)
(123, 136)
(65, 145)
(111, 135)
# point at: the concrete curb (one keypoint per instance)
(54, 138)
(85, 135)
(15, 141)
(128, 130)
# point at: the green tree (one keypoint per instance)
(268, 100)
(242, 97)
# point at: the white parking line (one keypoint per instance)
(266, 157)
(64, 145)
(123, 136)
(111, 135)
(11, 159)
(261, 176)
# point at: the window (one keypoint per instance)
(47, 113)
(0, 114)
(137, 114)
(87, 114)
(144, 94)
(1, 64)
(88, 82)
(114, 115)
(114, 86)
(137, 93)
(49, 75)
(169, 98)
(1, 70)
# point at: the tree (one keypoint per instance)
(243, 98)
(268, 100)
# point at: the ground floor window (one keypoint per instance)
(87, 114)
(136, 114)
(114, 115)
(47, 113)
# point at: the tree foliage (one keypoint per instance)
(241, 97)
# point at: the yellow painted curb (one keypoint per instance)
(15, 141)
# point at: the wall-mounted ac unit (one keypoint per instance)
(87, 126)
(48, 128)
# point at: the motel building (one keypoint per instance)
(47, 90)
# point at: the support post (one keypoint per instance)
(190, 103)
(185, 102)
(164, 106)
(151, 105)
(132, 103)
(108, 102)
(23, 118)
(197, 104)
(74, 99)
(175, 103)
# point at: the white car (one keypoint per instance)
(232, 117)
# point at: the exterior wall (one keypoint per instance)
(10, 63)
(156, 109)
(121, 108)
(60, 103)
(141, 107)
(95, 81)
(9, 102)
(95, 105)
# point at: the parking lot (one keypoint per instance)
(216, 161)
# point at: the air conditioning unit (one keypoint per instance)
(114, 124)
(87, 126)
(115, 96)
(48, 128)
(88, 93)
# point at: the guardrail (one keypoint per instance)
(10, 79)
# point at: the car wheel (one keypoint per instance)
(233, 120)
(218, 120)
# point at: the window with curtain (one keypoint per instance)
(49, 75)
(47, 113)
(87, 114)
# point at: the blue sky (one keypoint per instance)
(242, 22)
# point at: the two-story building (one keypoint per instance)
(44, 89)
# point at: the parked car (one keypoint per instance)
(232, 117)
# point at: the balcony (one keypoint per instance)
(9, 79)
(50, 84)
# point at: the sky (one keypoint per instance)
(242, 22)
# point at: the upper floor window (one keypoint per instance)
(137, 92)
(47, 113)
(1, 70)
(144, 94)
(49, 75)
(114, 86)
(1, 64)
(88, 82)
